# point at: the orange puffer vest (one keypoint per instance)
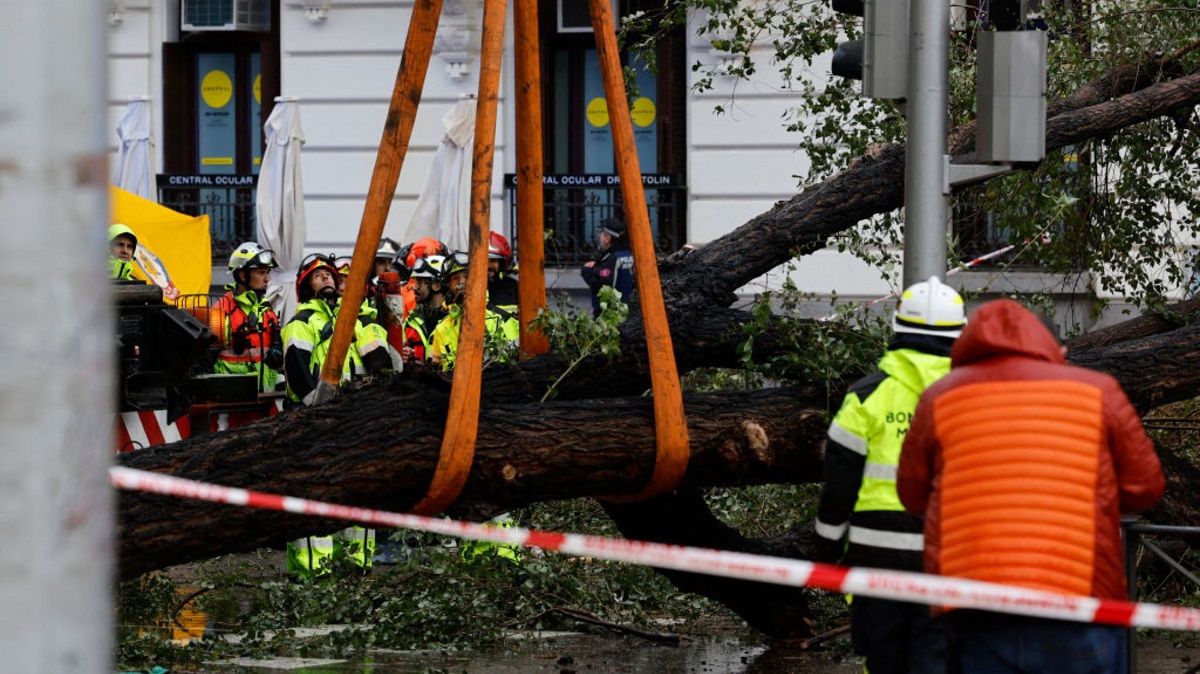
(1022, 465)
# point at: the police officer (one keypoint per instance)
(253, 344)
(859, 502)
(613, 265)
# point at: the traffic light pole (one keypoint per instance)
(925, 211)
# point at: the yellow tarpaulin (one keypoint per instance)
(173, 251)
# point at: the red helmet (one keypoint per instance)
(498, 249)
(308, 266)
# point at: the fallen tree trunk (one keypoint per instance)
(377, 448)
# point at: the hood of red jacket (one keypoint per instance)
(1004, 328)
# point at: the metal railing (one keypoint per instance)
(227, 200)
(576, 204)
(1135, 540)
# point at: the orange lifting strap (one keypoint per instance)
(531, 291)
(462, 418)
(670, 424)
(393, 146)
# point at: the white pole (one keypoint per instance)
(56, 344)
(924, 202)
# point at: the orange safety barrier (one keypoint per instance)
(462, 418)
(670, 423)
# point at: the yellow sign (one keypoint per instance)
(258, 89)
(216, 161)
(216, 89)
(644, 112)
(597, 112)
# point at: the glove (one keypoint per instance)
(826, 551)
(241, 341)
(274, 358)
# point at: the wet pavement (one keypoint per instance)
(568, 653)
(578, 653)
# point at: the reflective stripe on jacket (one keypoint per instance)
(444, 344)
(250, 318)
(859, 500)
(306, 340)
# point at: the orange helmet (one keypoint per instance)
(308, 266)
(408, 255)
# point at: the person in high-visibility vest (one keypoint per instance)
(253, 344)
(502, 278)
(429, 310)
(308, 335)
(444, 346)
(859, 503)
(307, 340)
(122, 243)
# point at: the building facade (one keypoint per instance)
(706, 173)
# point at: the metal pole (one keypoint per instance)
(56, 351)
(924, 199)
(1132, 542)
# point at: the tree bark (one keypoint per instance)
(377, 448)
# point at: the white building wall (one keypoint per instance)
(343, 70)
(135, 38)
(742, 161)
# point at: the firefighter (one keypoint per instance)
(613, 265)
(307, 339)
(252, 340)
(122, 243)
(343, 272)
(444, 345)
(368, 312)
(502, 280)
(384, 255)
(429, 310)
(308, 335)
(859, 502)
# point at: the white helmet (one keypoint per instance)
(250, 255)
(930, 308)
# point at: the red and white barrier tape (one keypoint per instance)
(885, 584)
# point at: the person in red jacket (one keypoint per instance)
(1022, 466)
